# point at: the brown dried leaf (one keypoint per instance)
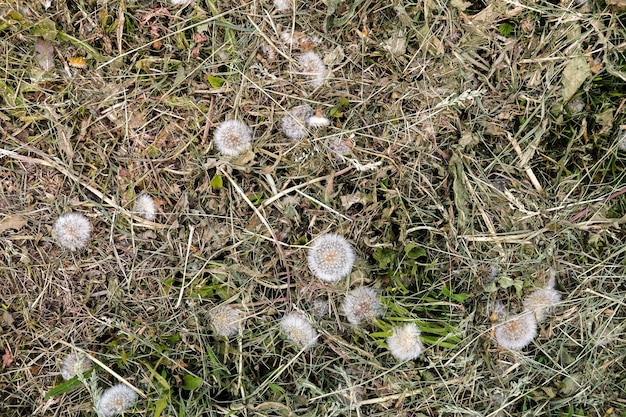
(12, 222)
(45, 54)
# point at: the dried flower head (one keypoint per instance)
(283, 5)
(516, 332)
(232, 137)
(225, 320)
(318, 120)
(116, 400)
(319, 307)
(145, 207)
(75, 363)
(72, 231)
(331, 257)
(404, 344)
(299, 330)
(362, 305)
(182, 2)
(541, 302)
(294, 122)
(313, 67)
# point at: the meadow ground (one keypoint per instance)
(473, 152)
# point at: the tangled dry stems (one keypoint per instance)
(460, 153)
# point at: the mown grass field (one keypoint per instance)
(474, 150)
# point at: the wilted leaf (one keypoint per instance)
(45, 54)
(12, 222)
(575, 73)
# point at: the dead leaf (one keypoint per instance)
(12, 222)
(575, 73)
(7, 359)
(45, 54)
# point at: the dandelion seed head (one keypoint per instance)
(516, 332)
(404, 344)
(294, 122)
(317, 121)
(299, 330)
(72, 231)
(145, 207)
(283, 5)
(116, 400)
(313, 67)
(541, 302)
(225, 320)
(331, 257)
(75, 363)
(362, 305)
(232, 137)
(182, 2)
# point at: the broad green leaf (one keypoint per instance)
(191, 382)
(217, 182)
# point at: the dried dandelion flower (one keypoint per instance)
(294, 122)
(541, 302)
(74, 364)
(116, 400)
(313, 67)
(362, 305)
(145, 207)
(318, 120)
(232, 137)
(331, 257)
(299, 330)
(621, 141)
(181, 2)
(516, 332)
(283, 5)
(225, 320)
(72, 231)
(404, 344)
(319, 308)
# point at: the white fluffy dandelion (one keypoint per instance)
(116, 400)
(331, 257)
(182, 2)
(145, 207)
(294, 122)
(299, 330)
(75, 363)
(283, 5)
(232, 137)
(313, 67)
(516, 332)
(404, 344)
(225, 320)
(317, 121)
(541, 302)
(362, 305)
(72, 231)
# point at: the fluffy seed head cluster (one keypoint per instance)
(232, 137)
(283, 5)
(294, 122)
(72, 231)
(225, 320)
(313, 67)
(182, 2)
(331, 257)
(145, 207)
(621, 140)
(116, 400)
(317, 121)
(516, 332)
(404, 344)
(541, 302)
(299, 330)
(362, 305)
(75, 363)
